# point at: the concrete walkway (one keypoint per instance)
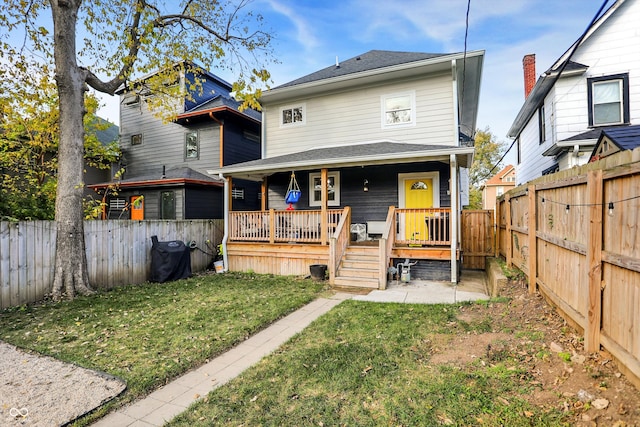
(172, 399)
(167, 402)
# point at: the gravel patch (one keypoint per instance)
(39, 390)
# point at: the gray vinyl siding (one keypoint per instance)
(365, 206)
(355, 116)
(164, 143)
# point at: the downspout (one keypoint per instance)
(225, 237)
(453, 176)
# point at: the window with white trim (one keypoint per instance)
(333, 189)
(293, 115)
(398, 109)
(191, 145)
(608, 100)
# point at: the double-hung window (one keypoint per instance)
(333, 189)
(608, 100)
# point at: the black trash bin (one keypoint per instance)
(169, 260)
(318, 271)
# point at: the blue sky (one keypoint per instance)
(309, 34)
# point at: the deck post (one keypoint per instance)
(272, 226)
(453, 226)
(324, 176)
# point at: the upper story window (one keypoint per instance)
(136, 139)
(542, 129)
(333, 189)
(608, 100)
(191, 145)
(293, 115)
(398, 109)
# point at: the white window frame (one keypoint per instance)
(303, 112)
(336, 189)
(620, 102)
(186, 151)
(383, 110)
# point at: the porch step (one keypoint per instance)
(356, 282)
(359, 268)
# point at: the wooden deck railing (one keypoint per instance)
(423, 226)
(338, 243)
(303, 226)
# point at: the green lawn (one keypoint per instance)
(148, 334)
(367, 364)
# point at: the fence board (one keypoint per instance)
(587, 255)
(477, 238)
(118, 253)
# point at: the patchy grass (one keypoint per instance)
(370, 364)
(148, 334)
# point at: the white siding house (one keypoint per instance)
(598, 87)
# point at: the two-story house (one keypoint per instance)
(377, 146)
(497, 185)
(163, 170)
(594, 85)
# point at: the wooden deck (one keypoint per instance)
(288, 242)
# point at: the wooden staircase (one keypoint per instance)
(359, 268)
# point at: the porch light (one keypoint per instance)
(365, 187)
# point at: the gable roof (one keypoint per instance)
(546, 82)
(379, 152)
(381, 67)
(623, 137)
(374, 59)
(497, 178)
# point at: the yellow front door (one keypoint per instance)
(137, 208)
(418, 194)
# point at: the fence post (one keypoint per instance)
(533, 242)
(509, 255)
(594, 260)
(496, 235)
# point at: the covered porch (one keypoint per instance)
(359, 215)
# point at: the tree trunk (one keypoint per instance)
(70, 276)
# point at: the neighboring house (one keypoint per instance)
(106, 133)
(614, 140)
(162, 173)
(497, 185)
(378, 146)
(594, 86)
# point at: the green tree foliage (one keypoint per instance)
(29, 144)
(488, 151)
(107, 44)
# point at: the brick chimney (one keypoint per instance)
(529, 67)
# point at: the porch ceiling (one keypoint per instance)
(377, 153)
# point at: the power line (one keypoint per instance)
(561, 69)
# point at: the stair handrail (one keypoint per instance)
(385, 246)
(338, 243)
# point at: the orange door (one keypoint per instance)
(137, 207)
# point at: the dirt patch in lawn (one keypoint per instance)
(587, 386)
(37, 390)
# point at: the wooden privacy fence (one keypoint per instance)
(118, 253)
(577, 238)
(478, 238)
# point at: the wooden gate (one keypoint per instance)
(478, 238)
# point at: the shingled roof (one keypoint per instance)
(374, 59)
